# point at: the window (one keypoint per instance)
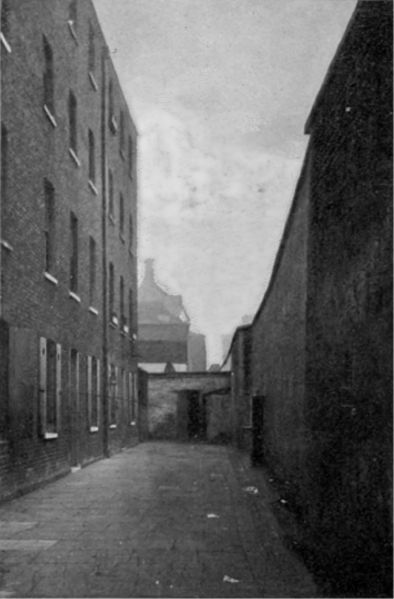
(131, 234)
(111, 193)
(112, 314)
(49, 92)
(74, 253)
(73, 15)
(72, 121)
(122, 134)
(73, 19)
(93, 377)
(111, 113)
(92, 271)
(133, 397)
(113, 386)
(49, 230)
(131, 311)
(121, 304)
(92, 50)
(121, 215)
(130, 157)
(50, 387)
(5, 22)
(92, 158)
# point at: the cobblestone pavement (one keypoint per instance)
(158, 520)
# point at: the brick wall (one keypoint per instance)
(34, 305)
(349, 309)
(168, 403)
(278, 348)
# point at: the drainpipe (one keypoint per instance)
(104, 376)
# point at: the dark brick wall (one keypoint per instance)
(349, 308)
(241, 355)
(278, 348)
(37, 150)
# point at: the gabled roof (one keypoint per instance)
(156, 306)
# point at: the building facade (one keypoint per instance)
(321, 341)
(165, 342)
(68, 245)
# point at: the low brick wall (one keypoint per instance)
(185, 405)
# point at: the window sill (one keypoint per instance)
(73, 32)
(111, 218)
(94, 429)
(93, 310)
(74, 157)
(5, 43)
(113, 426)
(51, 278)
(93, 81)
(74, 296)
(49, 436)
(7, 246)
(50, 116)
(93, 188)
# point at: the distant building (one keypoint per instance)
(197, 355)
(165, 342)
(163, 327)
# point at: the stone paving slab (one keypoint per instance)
(137, 525)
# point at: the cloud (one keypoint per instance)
(211, 216)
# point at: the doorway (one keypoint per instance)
(196, 427)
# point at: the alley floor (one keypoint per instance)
(158, 520)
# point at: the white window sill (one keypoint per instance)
(51, 278)
(93, 429)
(74, 296)
(72, 31)
(93, 187)
(93, 81)
(93, 310)
(48, 436)
(6, 245)
(112, 426)
(114, 320)
(5, 43)
(74, 157)
(50, 116)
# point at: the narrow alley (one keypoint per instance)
(158, 520)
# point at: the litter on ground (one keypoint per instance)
(229, 579)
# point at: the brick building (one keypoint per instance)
(68, 245)
(320, 349)
(165, 342)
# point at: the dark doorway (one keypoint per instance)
(196, 427)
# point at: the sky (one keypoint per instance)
(220, 91)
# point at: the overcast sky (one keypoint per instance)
(220, 91)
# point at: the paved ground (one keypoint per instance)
(159, 520)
